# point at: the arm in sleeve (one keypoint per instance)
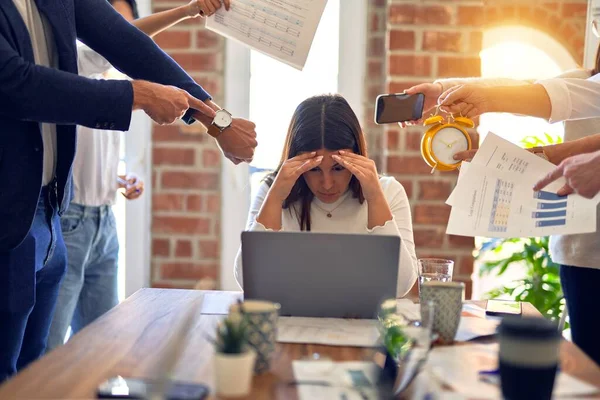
(400, 225)
(130, 50)
(29, 92)
(251, 225)
(573, 98)
(451, 82)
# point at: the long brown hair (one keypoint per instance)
(319, 122)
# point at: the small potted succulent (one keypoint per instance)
(234, 359)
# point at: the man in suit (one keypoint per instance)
(41, 100)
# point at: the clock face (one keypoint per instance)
(447, 142)
(222, 119)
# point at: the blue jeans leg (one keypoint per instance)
(99, 292)
(580, 286)
(30, 276)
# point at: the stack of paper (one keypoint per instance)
(494, 197)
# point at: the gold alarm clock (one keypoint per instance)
(443, 139)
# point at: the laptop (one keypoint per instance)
(321, 274)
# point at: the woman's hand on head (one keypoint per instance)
(290, 171)
(364, 169)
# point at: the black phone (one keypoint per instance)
(136, 388)
(399, 107)
(503, 307)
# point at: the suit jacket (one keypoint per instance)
(30, 94)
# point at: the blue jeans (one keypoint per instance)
(89, 288)
(30, 276)
(579, 287)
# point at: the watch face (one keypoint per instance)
(447, 142)
(222, 119)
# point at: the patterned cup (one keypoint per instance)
(447, 298)
(262, 329)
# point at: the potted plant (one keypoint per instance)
(234, 359)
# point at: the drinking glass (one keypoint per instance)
(435, 269)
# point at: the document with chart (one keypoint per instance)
(494, 197)
(282, 29)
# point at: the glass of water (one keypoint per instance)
(435, 269)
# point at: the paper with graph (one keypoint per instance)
(282, 29)
(494, 197)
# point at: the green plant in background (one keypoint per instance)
(540, 284)
(232, 335)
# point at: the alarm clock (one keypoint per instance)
(443, 139)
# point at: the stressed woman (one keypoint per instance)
(325, 182)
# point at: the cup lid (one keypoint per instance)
(528, 327)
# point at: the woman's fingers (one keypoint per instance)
(308, 165)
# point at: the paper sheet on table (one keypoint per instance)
(282, 29)
(491, 203)
(328, 331)
(338, 380)
(458, 367)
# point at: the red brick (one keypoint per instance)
(409, 65)
(161, 247)
(402, 14)
(209, 249)
(459, 66)
(194, 202)
(468, 285)
(392, 139)
(208, 83)
(491, 15)
(167, 202)
(461, 241)
(475, 42)
(554, 22)
(183, 225)
(552, 6)
(412, 139)
(196, 61)
(172, 133)
(508, 12)
(407, 165)
(434, 190)
(470, 15)
(190, 180)
(402, 40)
(401, 86)
(568, 31)
(211, 158)
(376, 47)
(578, 10)
(442, 41)
(428, 238)
(171, 39)
(213, 203)
(434, 15)
(173, 156)
(464, 266)
(207, 39)
(431, 214)
(375, 69)
(183, 248)
(408, 187)
(190, 271)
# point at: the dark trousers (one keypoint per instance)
(30, 277)
(580, 286)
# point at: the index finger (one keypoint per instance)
(548, 179)
(227, 4)
(304, 156)
(200, 106)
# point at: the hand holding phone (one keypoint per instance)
(400, 107)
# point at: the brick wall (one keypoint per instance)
(186, 170)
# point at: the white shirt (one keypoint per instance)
(96, 163)
(45, 54)
(351, 217)
(581, 250)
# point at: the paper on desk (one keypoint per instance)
(458, 367)
(282, 29)
(336, 379)
(328, 331)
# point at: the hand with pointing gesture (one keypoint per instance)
(581, 173)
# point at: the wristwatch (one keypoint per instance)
(539, 151)
(221, 122)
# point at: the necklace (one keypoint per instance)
(329, 212)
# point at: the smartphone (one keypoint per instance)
(135, 388)
(503, 307)
(400, 107)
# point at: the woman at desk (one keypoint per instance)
(325, 182)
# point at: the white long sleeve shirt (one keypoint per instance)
(350, 216)
(96, 161)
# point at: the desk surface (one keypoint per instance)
(128, 341)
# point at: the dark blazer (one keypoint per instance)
(30, 94)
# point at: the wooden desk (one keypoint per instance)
(127, 341)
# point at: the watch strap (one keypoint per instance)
(213, 130)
